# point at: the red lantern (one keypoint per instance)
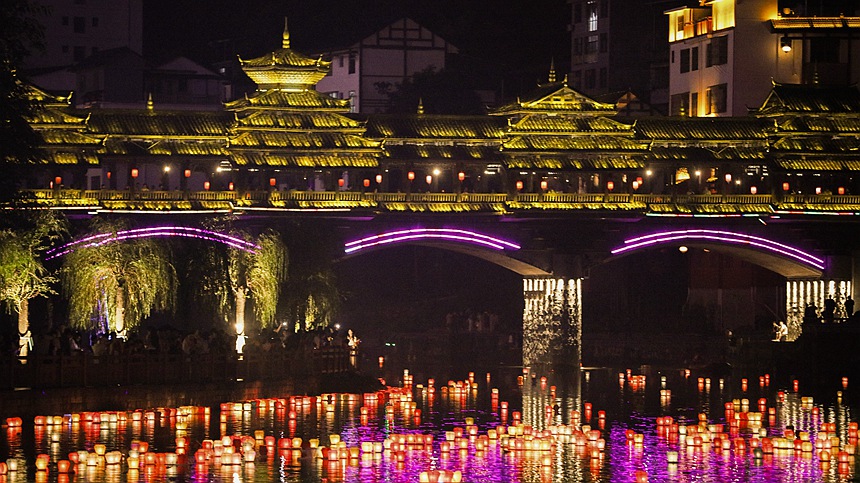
(461, 176)
(230, 186)
(429, 179)
(187, 173)
(366, 183)
(340, 182)
(818, 190)
(519, 185)
(272, 182)
(753, 190)
(58, 181)
(544, 185)
(841, 190)
(635, 185)
(108, 175)
(410, 175)
(134, 172)
(378, 178)
(610, 185)
(728, 177)
(206, 186)
(785, 186)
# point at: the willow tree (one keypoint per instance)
(231, 276)
(22, 274)
(115, 284)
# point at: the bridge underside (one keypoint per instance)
(785, 267)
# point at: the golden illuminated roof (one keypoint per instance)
(160, 123)
(433, 126)
(808, 99)
(806, 24)
(295, 120)
(558, 98)
(285, 68)
(569, 124)
(702, 128)
(301, 140)
(304, 160)
(278, 99)
(557, 161)
(571, 143)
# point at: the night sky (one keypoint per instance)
(511, 40)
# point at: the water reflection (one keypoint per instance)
(536, 425)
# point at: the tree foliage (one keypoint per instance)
(311, 297)
(115, 285)
(228, 276)
(23, 276)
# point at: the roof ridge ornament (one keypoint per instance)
(285, 38)
(420, 105)
(551, 77)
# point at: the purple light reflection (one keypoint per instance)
(448, 234)
(720, 236)
(180, 231)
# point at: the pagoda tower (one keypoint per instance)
(297, 136)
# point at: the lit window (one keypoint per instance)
(591, 10)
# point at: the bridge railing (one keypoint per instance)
(87, 370)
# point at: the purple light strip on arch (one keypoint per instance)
(449, 234)
(181, 231)
(724, 237)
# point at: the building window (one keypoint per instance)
(694, 104)
(601, 81)
(591, 11)
(65, 21)
(340, 61)
(577, 79)
(717, 51)
(80, 2)
(65, 49)
(715, 99)
(79, 53)
(589, 79)
(351, 63)
(679, 104)
(694, 58)
(685, 60)
(80, 25)
(604, 8)
(604, 43)
(591, 45)
(577, 13)
(94, 50)
(95, 21)
(577, 46)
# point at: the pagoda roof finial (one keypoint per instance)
(149, 104)
(285, 42)
(551, 78)
(420, 105)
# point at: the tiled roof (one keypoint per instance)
(803, 99)
(702, 128)
(304, 140)
(704, 155)
(543, 123)
(555, 97)
(304, 160)
(160, 123)
(572, 143)
(816, 124)
(550, 161)
(818, 144)
(296, 120)
(435, 126)
(798, 163)
(814, 23)
(285, 99)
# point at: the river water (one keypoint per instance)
(510, 425)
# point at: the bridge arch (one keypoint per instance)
(788, 261)
(158, 231)
(480, 245)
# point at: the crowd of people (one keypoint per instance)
(66, 341)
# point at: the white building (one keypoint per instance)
(725, 55)
(362, 71)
